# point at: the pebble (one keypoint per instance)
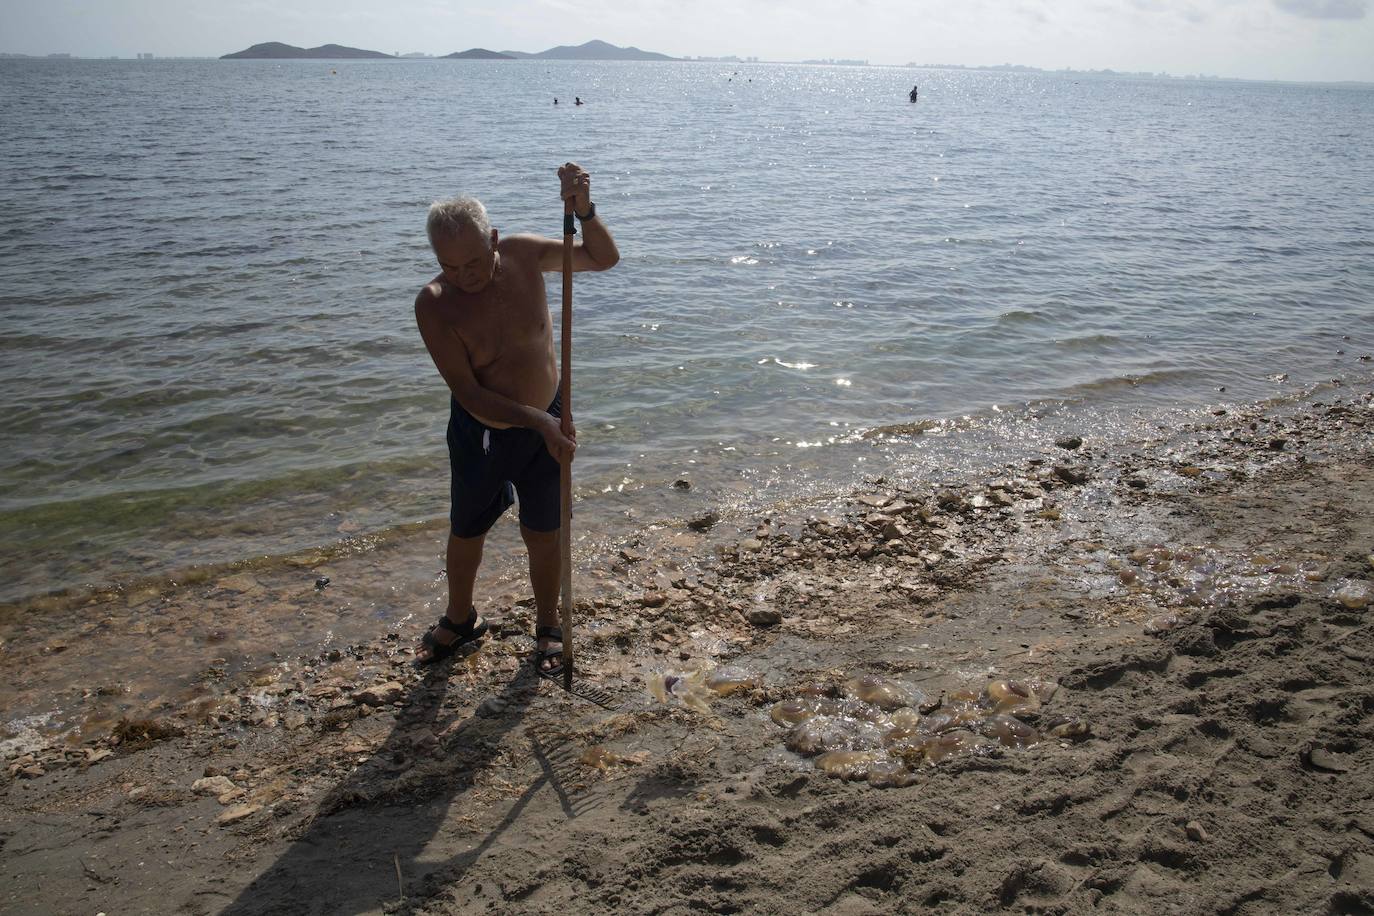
(682, 483)
(654, 599)
(1161, 624)
(237, 813)
(950, 501)
(492, 707)
(765, 617)
(1069, 443)
(1195, 832)
(1323, 759)
(1070, 474)
(214, 785)
(703, 522)
(381, 694)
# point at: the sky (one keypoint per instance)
(1316, 40)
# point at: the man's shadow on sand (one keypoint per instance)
(346, 860)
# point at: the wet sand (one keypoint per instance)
(1199, 600)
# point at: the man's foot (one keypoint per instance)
(548, 651)
(446, 637)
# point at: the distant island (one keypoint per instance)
(592, 50)
(275, 50)
(477, 54)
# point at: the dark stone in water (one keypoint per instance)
(1070, 474)
(321, 582)
(703, 522)
(1069, 442)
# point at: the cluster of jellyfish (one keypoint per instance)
(880, 731)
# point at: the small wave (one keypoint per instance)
(1129, 380)
(916, 428)
(1022, 316)
(1087, 341)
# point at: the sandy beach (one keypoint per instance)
(1187, 616)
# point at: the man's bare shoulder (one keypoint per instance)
(525, 246)
(432, 296)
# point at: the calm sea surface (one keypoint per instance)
(207, 269)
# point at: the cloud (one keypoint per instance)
(1324, 9)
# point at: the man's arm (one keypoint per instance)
(597, 249)
(451, 358)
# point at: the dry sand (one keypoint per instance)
(1230, 767)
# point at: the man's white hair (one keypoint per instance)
(449, 217)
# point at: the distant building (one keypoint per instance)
(62, 56)
(145, 56)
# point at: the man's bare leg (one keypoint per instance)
(546, 568)
(463, 557)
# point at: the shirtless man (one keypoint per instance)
(485, 319)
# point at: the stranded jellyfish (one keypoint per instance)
(1066, 727)
(881, 692)
(728, 680)
(1008, 731)
(937, 748)
(832, 733)
(789, 712)
(1010, 697)
(687, 688)
(949, 718)
(850, 765)
(904, 727)
(867, 735)
(890, 774)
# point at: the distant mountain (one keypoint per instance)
(479, 54)
(275, 50)
(598, 50)
(592, 50)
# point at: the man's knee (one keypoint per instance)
(539, 538)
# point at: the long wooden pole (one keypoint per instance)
(565, 482)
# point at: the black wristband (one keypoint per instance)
(591, 212)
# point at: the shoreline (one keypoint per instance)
(960, 435)
(472, 775)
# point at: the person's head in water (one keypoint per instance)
(463, 241)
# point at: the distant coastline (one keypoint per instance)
(602, 51)
(592, 50)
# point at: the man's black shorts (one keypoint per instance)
(490, 466)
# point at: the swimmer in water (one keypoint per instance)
(577, 100)
(914, 92)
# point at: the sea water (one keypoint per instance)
(207, 272)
